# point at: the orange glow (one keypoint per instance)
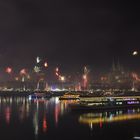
(46, 64)
(62, 78)
(101, 120)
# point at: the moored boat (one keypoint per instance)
(105, 103)
(70, 96)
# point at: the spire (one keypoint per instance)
(113, 66)
(118, 65)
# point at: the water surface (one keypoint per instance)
(21, 118)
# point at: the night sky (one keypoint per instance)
(69, 33)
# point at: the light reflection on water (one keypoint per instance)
(39, 110)
(93, 119)
(47, 116)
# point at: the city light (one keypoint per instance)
(62, 78)
(38, 60)
(45, 64)
(85, 77)
(9, 70)
(16, 78)
(56, 74)
(135, 76)
(37, 69)
(57, 69)
(23, 72)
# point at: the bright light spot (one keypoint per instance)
(38, 60)
(84, 77)
(56, 89)
(30, 97)
(57, 100)
(137, 138)
(9, 70)
(62, 78)
(57, 69)
(46, 64)
(135, 53)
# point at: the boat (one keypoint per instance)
(39, 96)
(70, 96)
(105, 103)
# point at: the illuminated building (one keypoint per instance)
(118, 78)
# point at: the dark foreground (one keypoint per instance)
(22, 119)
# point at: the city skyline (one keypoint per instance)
(41, 66)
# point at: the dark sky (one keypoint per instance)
(71, 33)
